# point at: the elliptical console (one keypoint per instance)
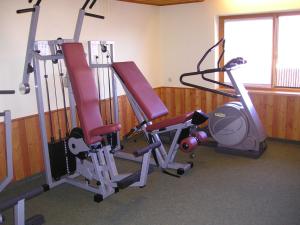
(235, 126)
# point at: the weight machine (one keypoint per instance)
(8, 144)
(19, 208)
(147, 106)
(70, 159)
(235, 126)
(17, 202)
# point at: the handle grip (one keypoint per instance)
(94, 15)
(19, 11)
(202, 73)
(234, 62)
(143, 151)
(85, 4)
(7, 92)
(92, 4)
(221, 41)
(37, 3)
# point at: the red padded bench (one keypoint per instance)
(147, 99)
(85, 94)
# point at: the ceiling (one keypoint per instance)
(162, 2)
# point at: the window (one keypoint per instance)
(288, 61)
(269, 42)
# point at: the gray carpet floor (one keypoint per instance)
(220, 190)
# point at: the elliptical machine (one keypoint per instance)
(235, 127)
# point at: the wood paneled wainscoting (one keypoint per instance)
(279, 113)
(26, 137)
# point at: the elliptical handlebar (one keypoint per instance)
(209, 80)
(221, 41)
(228, 66)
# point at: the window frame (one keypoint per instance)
(275, 18)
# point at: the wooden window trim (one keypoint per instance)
(275, 91)
(275, 16)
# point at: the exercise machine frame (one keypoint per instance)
(18, 202)
(99, 164)
(8, 144)
(165, 159)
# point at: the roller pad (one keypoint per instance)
(143, 151)
(6, 204)
(188, 144)
(35, 220)
(131, 179)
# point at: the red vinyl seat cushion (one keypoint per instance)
(141, 90)
(111, 128)
(85, 94)
(169, 122)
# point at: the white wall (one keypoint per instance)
(187, 31)
(133, 27)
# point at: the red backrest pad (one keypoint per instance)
(140, 89)
(84, 89)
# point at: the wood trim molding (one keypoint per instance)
(272, 15)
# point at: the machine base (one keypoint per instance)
(245, 153)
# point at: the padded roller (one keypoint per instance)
(200, 136)
(35, 220)
(188, 144)
(4, 205)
